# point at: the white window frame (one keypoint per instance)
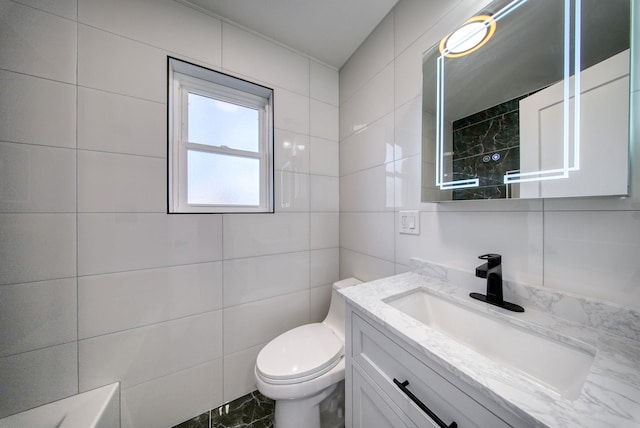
(185, 78)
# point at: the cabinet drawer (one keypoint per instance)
(371, 409)
(383, 361)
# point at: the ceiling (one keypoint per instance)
(327, 30)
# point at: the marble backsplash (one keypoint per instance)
(605, 316)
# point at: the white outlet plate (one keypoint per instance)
(409, 222)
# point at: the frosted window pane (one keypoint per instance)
(218, 123)
(215, 179)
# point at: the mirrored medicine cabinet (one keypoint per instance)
(529, 99)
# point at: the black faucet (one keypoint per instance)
(492, 271)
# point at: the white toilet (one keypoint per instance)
(303, 366)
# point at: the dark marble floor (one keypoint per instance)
(253, 410)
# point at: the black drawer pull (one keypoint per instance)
(403, 388)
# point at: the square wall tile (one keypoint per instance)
(39, 377)
(368, 233)
(253, 56)
(291, 111)
(37, 179)
(324, 120)
(105, 123)
(117, 64)
(37, 315)
(291, 192)
(37, 43)
(264, 234)
(152, 296)
(368, 190)
(194, 34)
(325, 230)
(27, 100)
(325, 193)
(324, 157)
(135, 184)
(371, 146)
(251, 324)
(325, 264)
(257, 278)
(142, 354)
(116, 242)
(37, 247)
(172, 399)
(291, 151)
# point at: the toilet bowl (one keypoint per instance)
(303, 366)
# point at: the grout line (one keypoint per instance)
(77, 204)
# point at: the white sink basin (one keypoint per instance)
(559, 366)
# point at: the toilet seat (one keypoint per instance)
(300, 354)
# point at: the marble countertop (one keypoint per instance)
(610, 396)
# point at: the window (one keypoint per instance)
(220, 142)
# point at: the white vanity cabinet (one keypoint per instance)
(379, 365)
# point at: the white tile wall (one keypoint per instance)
(323, 157)
(292, 113)
(37, 179)
(258, 322)
(172, 399)
(256, 278)
(36, 377)
(323, 83)
(324, 266)
(117, 64)
(324, 120)
(369, 104)
(371, 146)
(104, 124)
(324, 230)
(239, 376)
(199, 35)
(132, 241)
(25, 101)
(37, 43)
(243, 236)
(135, 184)
(325, 192)
(152, 296)
(95, 278)
(37, 247)
(253, 56)
(142, 354)
(292, 151)
(291, 192)
(64, 8)
(585, 246)
(35, 315)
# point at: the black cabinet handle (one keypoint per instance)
(436, 419)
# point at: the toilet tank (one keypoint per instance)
(335, 317)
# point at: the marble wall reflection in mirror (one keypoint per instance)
(538, 109)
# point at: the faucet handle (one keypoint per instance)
(493, 260)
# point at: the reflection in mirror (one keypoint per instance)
(529, 99)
